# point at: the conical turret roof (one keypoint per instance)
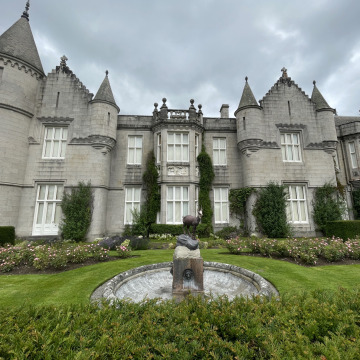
(105, 93)
(319, 100)
(18, 42)
(247, 98)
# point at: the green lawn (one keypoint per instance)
(76, 286)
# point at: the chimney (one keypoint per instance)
(224, 111)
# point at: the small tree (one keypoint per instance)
(77, 211)
(270, 211)
(206, 178)
(238, 199)
(326, 206)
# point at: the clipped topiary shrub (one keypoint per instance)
(77, 210)
(344, 229)
(228, 232)
(7, 235)
(270, 211)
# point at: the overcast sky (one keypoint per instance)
(201, 49)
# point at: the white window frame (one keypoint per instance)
(132, 202)
(158, 148)
(172, 201)
(291, 147)
(55, 146)
(219, 150)
(294, 203)
(182, 145)
(221, 203)
(197, 139)
(136, 148)
(353, 157)
(196, 200)
(48, 213)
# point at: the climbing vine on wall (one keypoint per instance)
(206, 179)
(142, 220)
(238, 199)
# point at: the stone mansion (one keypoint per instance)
(55, 133)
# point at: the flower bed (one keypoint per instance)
(305, 250)
(43, 257)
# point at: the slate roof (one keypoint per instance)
(105, 93)
(247, 98)
(342, 120)
(319, 100)
(18, 42)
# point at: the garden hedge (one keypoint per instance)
(344, 229)
(7, 235)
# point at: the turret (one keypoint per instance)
(104, 111)
(325, 118)
(21, 73)
(249, 121)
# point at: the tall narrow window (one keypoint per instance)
(196, 199)
(132, 203)
(177, 201)
(219, 151)
(178, 147)
(134, 150)
(221, 205)
(352, 152)
(47, 209)
(158, 148)
(196, 146)
(55, 142)
(289, 108)
(290, 147)
(244, 123)
(1, 72)
(57, 99)
(297, 206)
(108, 118)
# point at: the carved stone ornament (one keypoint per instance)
(178, 170)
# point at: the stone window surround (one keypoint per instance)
(136, 158)
(224, 218)
(173, 201)
(131, 203)
(219, 150)
(297, 201)
(182, 147)
(291, 145)
(52, 153)
(352, 153)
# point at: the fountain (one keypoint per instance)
(187, 274)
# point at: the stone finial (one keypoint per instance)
(284, 72)
(192, 101)
(246, 78)
(164, 100)
(156, 105)
(63, 61)
(314, 82)
(200, 107)
(25, 14)
(107, 72)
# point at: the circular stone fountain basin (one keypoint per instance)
(155, 281)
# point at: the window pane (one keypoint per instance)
(282, 138)
(138, 156)
(131, 141)
(128, 215)
(64, 133)
(290, 153)
(217, 194)
(169, 213)
(128, 194)
(296, 153)
(177, 138)
(177, 153)
(224, 212)
(301, 192)
(40, 213)
(185, 153)
(171, 153)
(137, 192)
(49, 133)
(295, 139)
(283, 150)
(295, 211)
(56, 149)
(47, 148)
(51, 192)
(222, 160)
(185, 138)
(42, 192)
(57, 133)
(217, 212)
(293, 192)
(223, 143)
(178, 212)
(185, 193)
(224, 194)
(288, 138)
(185, 209)
(131, 156)
(177, 193)
(59, 192)
(49, 213)
(57, 214)
(302, 211)
(139, 141)
(170, 193)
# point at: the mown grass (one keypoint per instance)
(76, 286)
